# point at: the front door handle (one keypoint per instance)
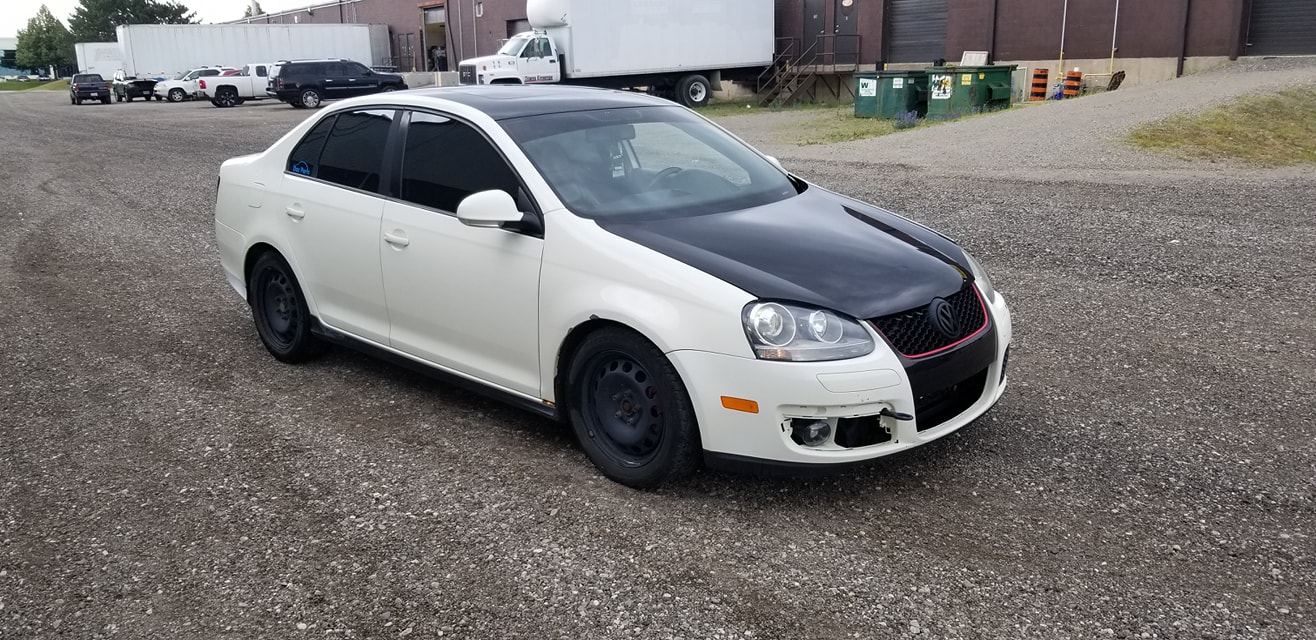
(295, 213)
(396, 240)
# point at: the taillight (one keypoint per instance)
(278, 82)
(202, 83)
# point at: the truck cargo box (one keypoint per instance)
(156, 50)
(621, 37)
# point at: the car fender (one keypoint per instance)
(589, 274)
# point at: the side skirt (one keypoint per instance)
(342, 340)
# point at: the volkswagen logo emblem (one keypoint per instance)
(942, 317)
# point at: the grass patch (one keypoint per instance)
(1269, 130)
(722, 109)
(839, 125)
(11, 85)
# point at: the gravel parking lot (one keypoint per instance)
(1149, 474)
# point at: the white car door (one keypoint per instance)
(333, 209)
(463, 297)
(538, 64)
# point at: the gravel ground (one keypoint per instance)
(1150, 472)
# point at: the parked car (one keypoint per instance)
(308, 83)
(184, 86)
(615, 261)
(88, 86)
(126, 88)
(247, 83)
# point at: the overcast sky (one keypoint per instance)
(16, 13)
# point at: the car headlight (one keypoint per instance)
(980, 276)
(780, 331)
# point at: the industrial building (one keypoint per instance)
(1149, 40)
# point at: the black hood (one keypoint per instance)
(817, 248)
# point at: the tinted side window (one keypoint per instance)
(210, 72)
(444, 161)
(357, 69)
(353, 155)
(335, 70)
(305, 157)
(260, 70)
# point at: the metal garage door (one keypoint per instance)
(916, 30)
(1282, 27)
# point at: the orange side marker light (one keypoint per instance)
(740, 404)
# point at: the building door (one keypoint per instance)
(815, 27)
(1281, 27)
(916, 30)
(847, 32)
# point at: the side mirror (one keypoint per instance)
(490, 208)
(776, 163)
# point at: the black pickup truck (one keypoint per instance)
(89, 86)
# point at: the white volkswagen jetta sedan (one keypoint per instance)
(617, 262)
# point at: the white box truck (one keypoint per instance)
(679, 49)
(98, 57)
(163, 51)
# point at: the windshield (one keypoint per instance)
(181, 75)
(513, 47)
(646, 161)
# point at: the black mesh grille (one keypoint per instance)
(912, 332)
(466, 74)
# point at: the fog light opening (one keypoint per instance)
(810, 432)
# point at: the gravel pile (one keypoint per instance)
(1149, 474)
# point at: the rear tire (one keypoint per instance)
(630, 410)
(310, 98)
(283, 320)
(225, 97)
(693, 90)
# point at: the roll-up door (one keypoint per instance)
(1282, 27)
(916, 30)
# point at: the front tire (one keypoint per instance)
(176, 95)
(283, 320)
(630, 410)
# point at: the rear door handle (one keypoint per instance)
(396, 240)
(295, 213)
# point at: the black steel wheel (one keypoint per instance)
(630, 410)
(279, 309)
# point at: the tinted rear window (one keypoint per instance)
(88, 77)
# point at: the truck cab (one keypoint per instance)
(526, 58)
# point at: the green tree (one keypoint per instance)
(247, 13)
(45, 42)
(95, 20)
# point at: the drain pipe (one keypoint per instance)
(1115, 31)
(1064, 20)
(1183, 41)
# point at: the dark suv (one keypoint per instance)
(307, 83)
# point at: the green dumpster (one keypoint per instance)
(958, 91)
(890, 94)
